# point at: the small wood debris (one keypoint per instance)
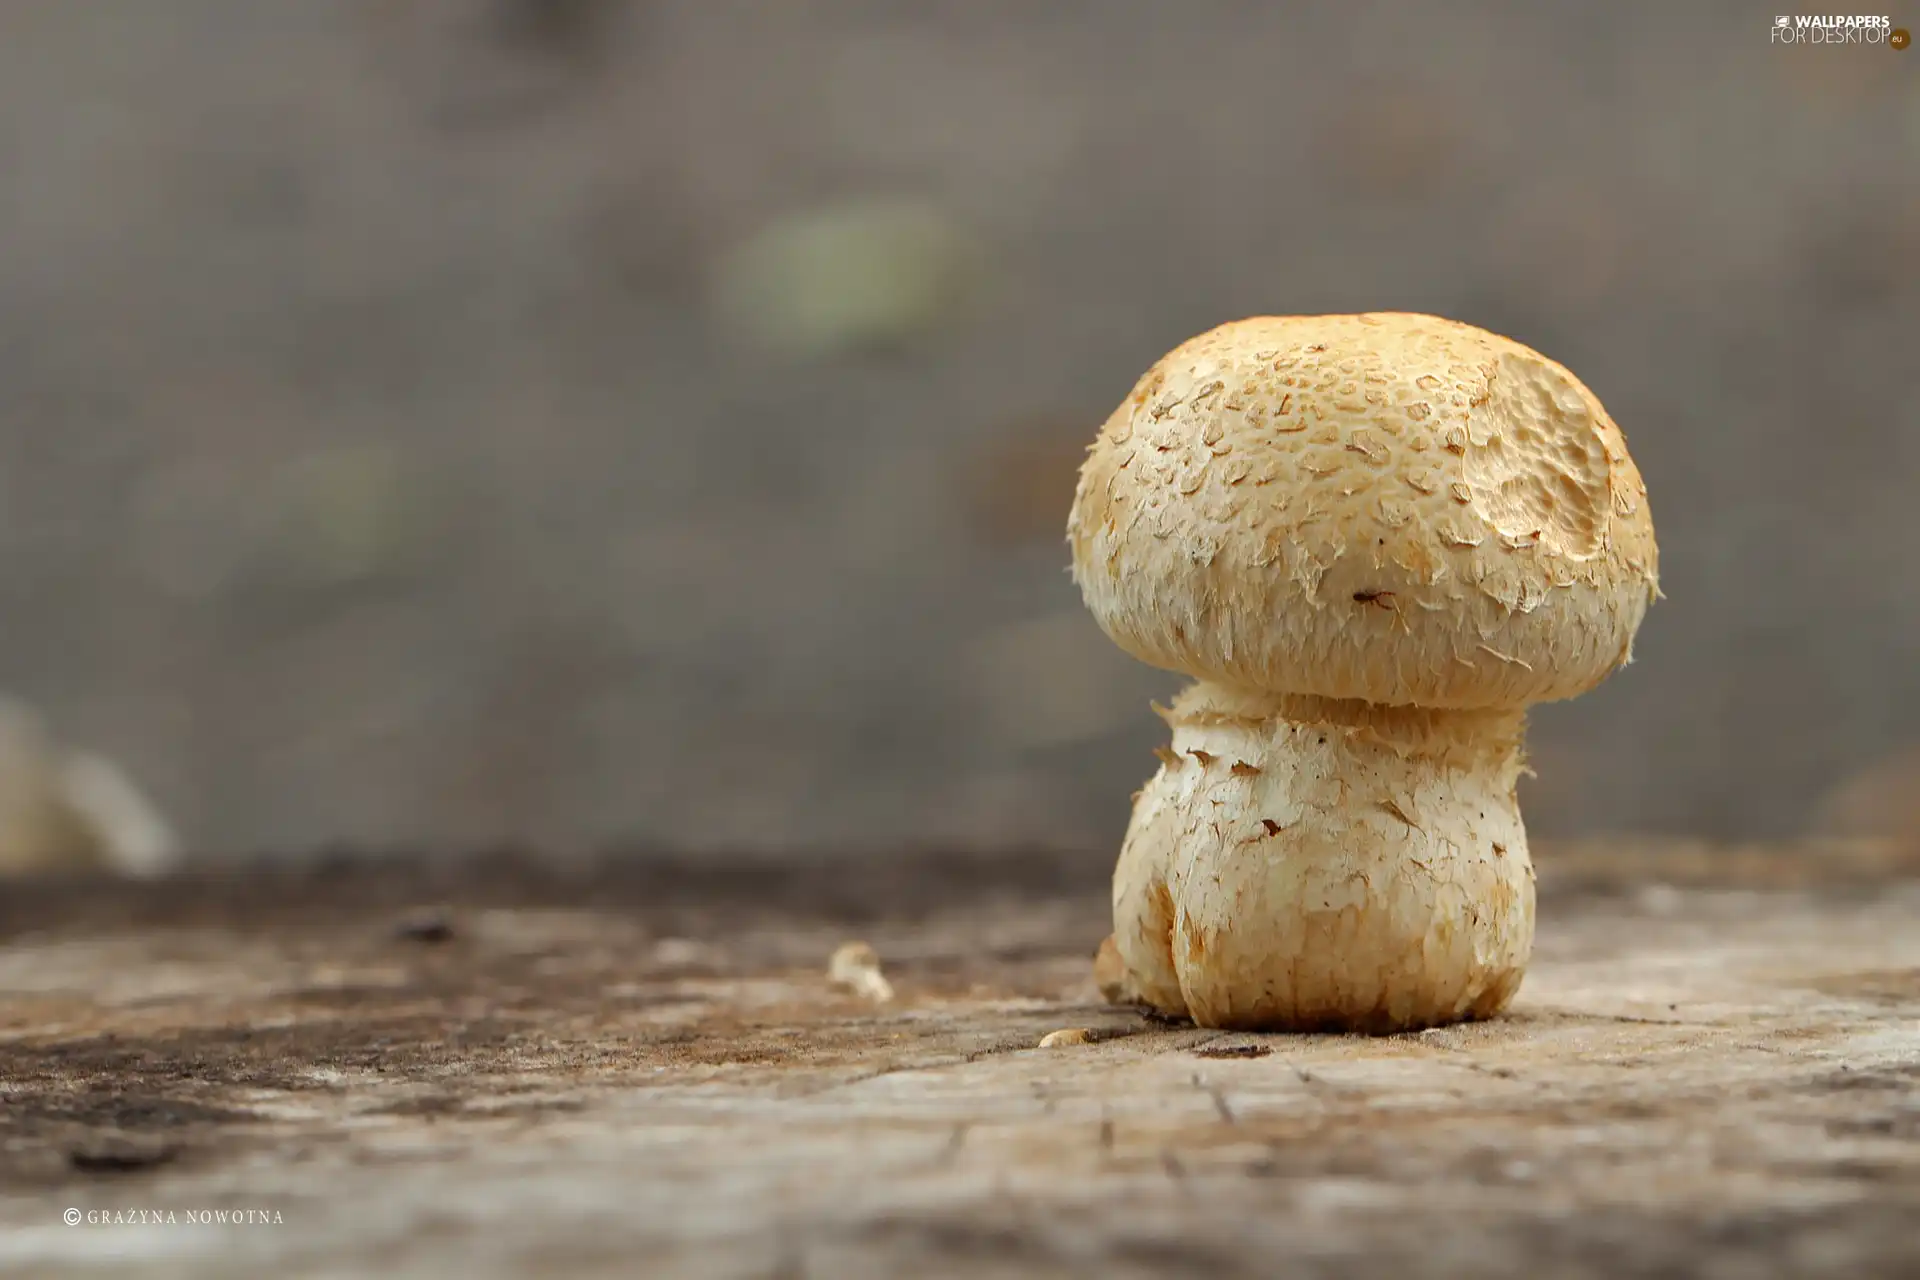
(856, 966)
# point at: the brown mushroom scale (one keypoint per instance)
(1374, 541)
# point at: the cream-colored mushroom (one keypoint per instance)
(64, 810)
(1374, 540)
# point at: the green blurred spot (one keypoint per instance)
(846, 277)
(349, 514)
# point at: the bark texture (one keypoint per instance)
(500, 1069)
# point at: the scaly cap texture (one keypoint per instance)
(1387, 507)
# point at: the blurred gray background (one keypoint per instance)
(440, 422)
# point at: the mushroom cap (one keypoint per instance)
(1387, 507)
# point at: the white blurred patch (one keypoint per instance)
(65, 810)
(133, 835)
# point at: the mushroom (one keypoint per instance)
(1374, 541)
(66, 810)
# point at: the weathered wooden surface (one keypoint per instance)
(1714, 1069)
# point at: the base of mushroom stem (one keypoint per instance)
(1307, 864)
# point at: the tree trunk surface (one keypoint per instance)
(501, 1067)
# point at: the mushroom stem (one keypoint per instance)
(1313, 863)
